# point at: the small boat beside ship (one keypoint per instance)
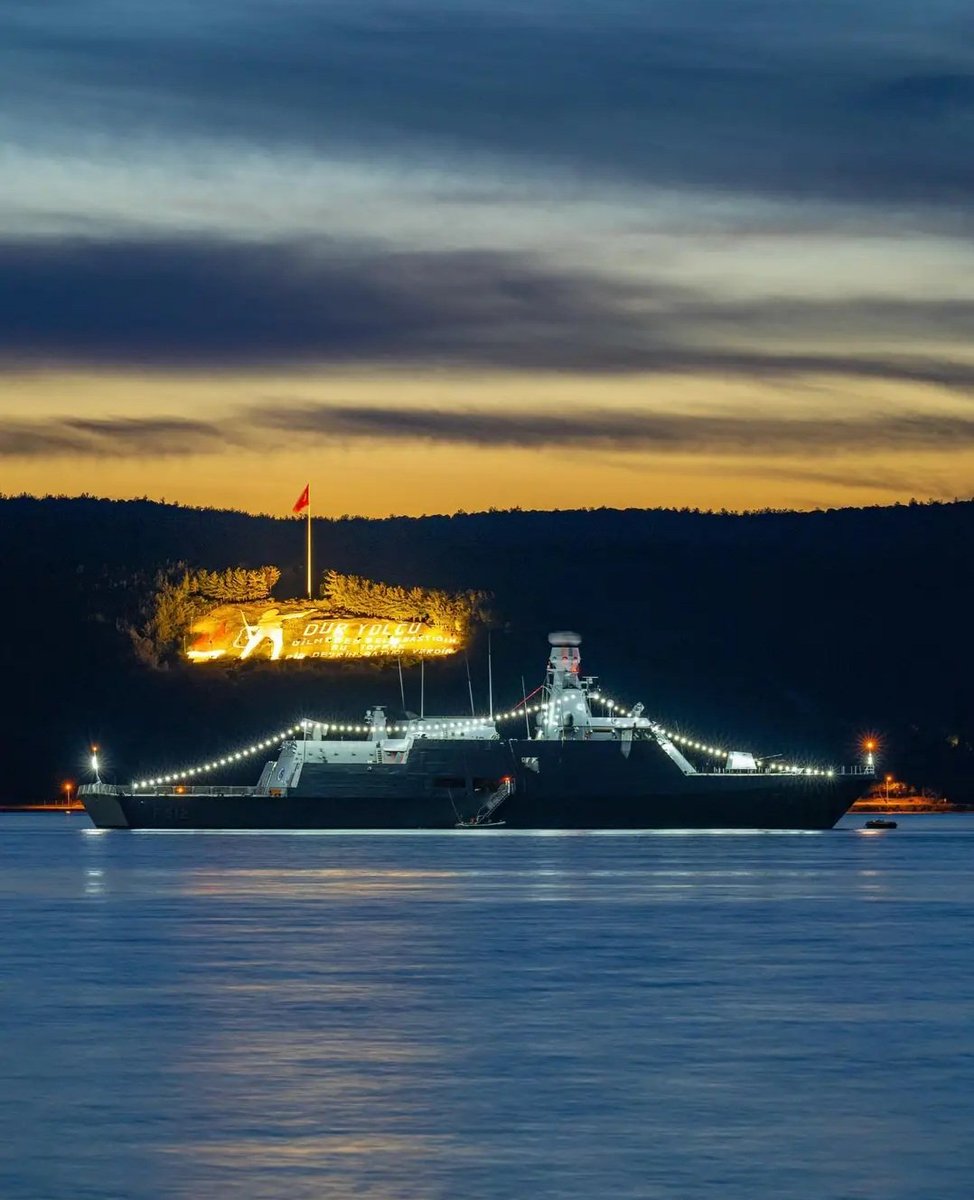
(577, 768)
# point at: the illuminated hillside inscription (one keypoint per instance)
(307, 629)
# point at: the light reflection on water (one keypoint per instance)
(486, 1014)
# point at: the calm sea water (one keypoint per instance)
(486, 1014)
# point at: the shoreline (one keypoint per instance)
(64, 808)
(873, 805)
(870, 805)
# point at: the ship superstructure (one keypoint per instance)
(576, 769)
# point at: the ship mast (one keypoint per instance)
(567, 697)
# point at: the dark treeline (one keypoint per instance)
(780, 631)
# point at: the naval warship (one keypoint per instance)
(577, 761)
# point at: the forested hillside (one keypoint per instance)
(795, 632)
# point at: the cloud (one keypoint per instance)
(749, 434)
(745, 435)
(221, 304)
(790, 100)
(871, 476)
(123, 437)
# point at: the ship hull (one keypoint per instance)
(555, 785)
(272, 812)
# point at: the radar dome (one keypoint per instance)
(564, 637)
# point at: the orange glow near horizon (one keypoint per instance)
(391, 473)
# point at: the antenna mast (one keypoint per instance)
(490, 680)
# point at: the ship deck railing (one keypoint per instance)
(833, 772)
(166, 789)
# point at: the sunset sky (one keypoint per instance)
(435, 255)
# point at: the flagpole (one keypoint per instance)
(309, 542)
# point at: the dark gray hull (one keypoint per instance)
(555, 785)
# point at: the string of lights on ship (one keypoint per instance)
(458, 724)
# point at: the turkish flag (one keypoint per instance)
(304, 500)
